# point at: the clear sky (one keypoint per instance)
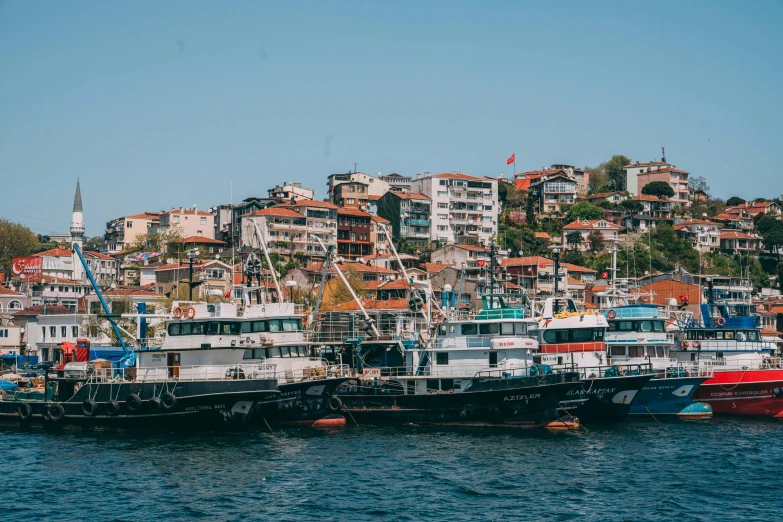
(158, 104)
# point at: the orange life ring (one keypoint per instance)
(685, 344)
(696, 344)
(191, 312)
(721, 321)
(611, 314)
(178, 312)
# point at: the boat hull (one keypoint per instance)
(523, 402)
(210, 405)
(671, 397)
(300, 403)
(605, 399)
(744, 392)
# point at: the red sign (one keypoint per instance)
(480, 262)
(27, 268)
(685, 298)
(604, 275)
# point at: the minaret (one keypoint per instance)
(77, 233)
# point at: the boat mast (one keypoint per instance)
(262, 240)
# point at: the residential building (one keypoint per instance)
(290, 192)
(736, 242)
(372, 205)
(228, 218)
(353, 234)
(378, 234)
(612, 197)
(471, 258)
(188, 222)
(535, 276)
(352, 194)
(704, 235)
(523, 180)
(11, 339)
(654, 211)
(754, 209)
(409, 214)
(375, 186)
(214, 277)
(285, 230)
(205, 245)
(633, 170)
(582, 177)
(736, 221)
(321, 222)
(676, 178)
(553, 191)
(397, 182)
(609, 232)
(104, 268)
(464, 208)
(11, 302)
(123, 231)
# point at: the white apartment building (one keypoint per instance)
(123, 231)
(464, 208)
(188, 222)
(290, 191)
(375, 186)
(290, 229)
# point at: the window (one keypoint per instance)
(617, 351)
(443, 205)
(129, 224)
(443, 193)
(63, 332)
(635, 351)
(75, 331)
(203, 221)
(488, 328)
(52, 332)
(43, 333)
(651, 351)
(469, 329)
(442, 358)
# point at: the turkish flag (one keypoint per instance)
(480, 262)
(511, 160)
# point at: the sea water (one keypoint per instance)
(638, 470)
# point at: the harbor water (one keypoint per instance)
(638, 470)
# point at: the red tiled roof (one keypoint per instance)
(373, 197)
(766, 331)
(645, 197)
(646, 164)
(543, 235)
(577, 268)
(680, 226)
(350, 266)
(379, 219)
(8, 291)
(203, 240)
(39, 310)
(591, 224)
(98, 255)
(665, 170)
(733, 234)
(186, 211)
(144, 215)
(60, 280)
(525, 261)
(456, 175)
(409, 195)
(474, 248)
(277, 210)
(729, 217)
(573, 281)
(434, 268)
(522, 184)
(348, 211)
(313, 203)
(55, 252)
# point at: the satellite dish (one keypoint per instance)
(291, 283)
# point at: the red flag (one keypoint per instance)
(511, 160)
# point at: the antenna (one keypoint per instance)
(663, 154)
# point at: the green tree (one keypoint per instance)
(779, 271)
(598, 182)
(530, 214)
(16, 240)
(584, 210)
(632, 206)
(734, 201)
(615, 173)
(699, 183)
(574, 239)
(596, 241)
(771, 230)
(660, 189)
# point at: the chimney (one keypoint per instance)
(181, 210)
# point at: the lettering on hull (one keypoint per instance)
(522, 397)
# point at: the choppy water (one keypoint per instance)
(715, 470)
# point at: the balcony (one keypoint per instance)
(417, 222)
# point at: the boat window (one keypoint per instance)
(442, 329)
(617, 350)
(285, 351)
(581, 335)
(741, 336)
(635, 351)
(275, 326)
(247, 327)
(651, 351)
(186, 328)
(661, 351)
(291, 325)
(507, 328)
(622, 326)
(519, 329)
(556, 336)
(753, 336)
(645, 326)
(469, 329)
(442, 358)
(718, 335)
(175, 329)
(729, 334)
(260, 326)
(213, 328)
(709, 334)
(488, 328)
(248, 354)
(659, 326)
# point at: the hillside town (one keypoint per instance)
(473, 234)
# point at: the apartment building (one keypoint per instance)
(409, 214)
(737, 221)
(123, 231)
(678, 179)
(228, 217)
(736, 242)
(321, 222)
(609, 232)
(633, 170)
(754, 209)
(285, 230)
(375, 186)
(290, 192)
(188, 222)
(353, 233)
(704, 235)
(581, 177)
(464, 208)
(553, 192)
(397, 182)
(353, 194)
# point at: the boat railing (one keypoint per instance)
(614, 370)
(149, 342)
(449, 371)
(463, 342)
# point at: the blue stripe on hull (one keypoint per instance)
(670, 397)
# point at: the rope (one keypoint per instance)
(350, 414)
(738, 382)
(651, 413)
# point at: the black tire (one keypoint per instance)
(25, 410)
(133, 402)
(112, 407)
(89, 407)
(55, 412)
(334, 404)
(154, 404)
(168, 401)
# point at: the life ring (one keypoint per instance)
(721, 321)
(178, 312)
(155, 404)
(168, 401)
(24, 410)
(190, 313)
(611, 314)
(89, 407)
(112, 407)
(55, 412)
(133, 402)
(334, 404)
(684, 344)
(696, 344)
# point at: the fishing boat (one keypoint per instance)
(746, 371)
(202, 386)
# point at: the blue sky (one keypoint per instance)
(161, 104)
